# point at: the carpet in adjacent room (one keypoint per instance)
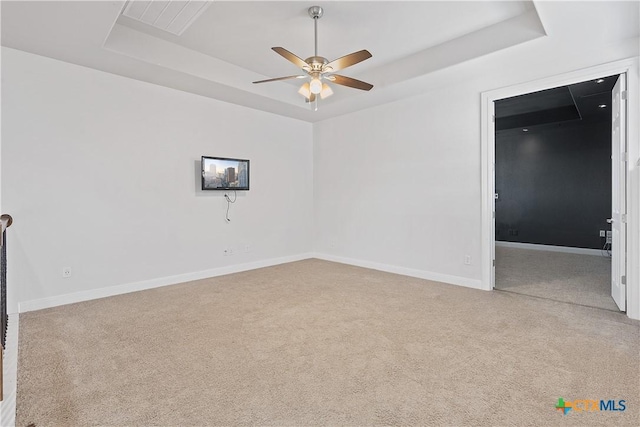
(566, 277)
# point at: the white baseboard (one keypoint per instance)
(420, 274)
(42, 303)
(550, 248)
(10, 374)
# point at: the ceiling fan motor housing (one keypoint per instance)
(316, 63)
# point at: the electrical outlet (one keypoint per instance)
(66, 272)
(602, 233)
(467, 259)
(228, 252)
(609, 233)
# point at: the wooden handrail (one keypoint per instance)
(6, 221)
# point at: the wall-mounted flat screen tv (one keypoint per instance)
(221, 173)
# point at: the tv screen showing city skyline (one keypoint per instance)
(220, 173)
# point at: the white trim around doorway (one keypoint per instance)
(630, 67)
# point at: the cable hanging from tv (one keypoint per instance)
(229, 201)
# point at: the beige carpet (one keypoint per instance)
(573, 278)
(320, 343)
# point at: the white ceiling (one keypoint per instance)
(229, 44)
(242, 33)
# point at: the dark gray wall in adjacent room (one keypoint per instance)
(554, 184)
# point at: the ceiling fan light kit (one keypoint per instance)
(318, 69)
(315, 85)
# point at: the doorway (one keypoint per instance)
(630, 232)
(553, 193)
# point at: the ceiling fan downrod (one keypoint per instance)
(316, 13)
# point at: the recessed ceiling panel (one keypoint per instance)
(532, 102)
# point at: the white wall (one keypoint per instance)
(395, 186)
(398, 186)
(100, 174)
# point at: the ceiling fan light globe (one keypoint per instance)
(304, 90)
(315, 86)
(326, 91)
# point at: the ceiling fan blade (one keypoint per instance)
(348, 81)
(347, 60)
(299, 62)
(280, 78)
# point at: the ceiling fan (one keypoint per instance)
(318, 68)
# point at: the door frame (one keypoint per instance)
(630, 67)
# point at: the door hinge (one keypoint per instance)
(623, 218)
(493, 214)
(623, 280)
(625, 157)
(623, 95)
(493, 119)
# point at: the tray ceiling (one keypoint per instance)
(216, 49)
